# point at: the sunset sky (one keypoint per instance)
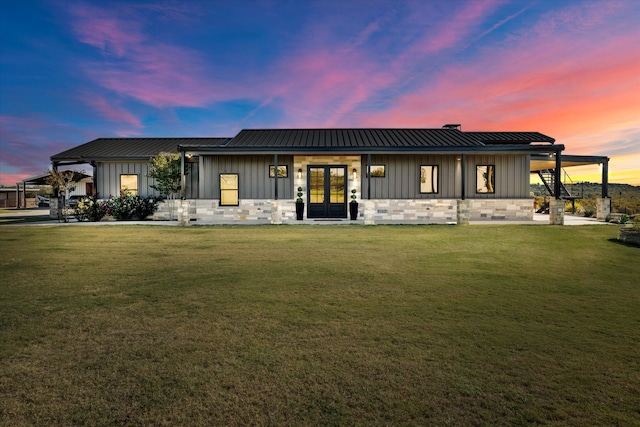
(72, 71)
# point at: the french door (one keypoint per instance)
(327, 191)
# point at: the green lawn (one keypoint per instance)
(319, 325)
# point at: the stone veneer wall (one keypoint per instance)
(392, 211)
(409, 211)
(500, 209)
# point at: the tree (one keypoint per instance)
(64, 182)
(164, 168)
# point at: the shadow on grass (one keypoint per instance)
(621, 243)
(13, 220)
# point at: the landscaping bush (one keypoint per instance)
(90, 209)
(129, 206)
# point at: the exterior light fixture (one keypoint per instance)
(300, 173)
(458, 158)
(355, 173)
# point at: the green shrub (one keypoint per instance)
(588, 212)
(90, 209)
(129, 206)
(623, 219)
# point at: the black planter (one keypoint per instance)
(299, 210)
(353, 211)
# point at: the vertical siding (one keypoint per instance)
(511, 176)
(402, 177)
(191, 187)
(253, 175)
(109, 178)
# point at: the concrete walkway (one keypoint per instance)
(40, 216)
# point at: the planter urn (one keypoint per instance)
(353, 211)
(299, 211)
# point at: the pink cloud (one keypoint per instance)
(100, 28)
(157, 74)
(114, 113)
(27, 142)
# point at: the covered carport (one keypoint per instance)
(41, 180)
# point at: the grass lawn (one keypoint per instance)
(319, 325)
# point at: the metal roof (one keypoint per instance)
(510, 137)
(307, 141)
(130, 148)
(351, 138)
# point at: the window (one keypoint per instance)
(129, 184)
(283, 171)
(377, 171)
(429, 179)
(485, 179)
(228, 189)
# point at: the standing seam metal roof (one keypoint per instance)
(511, 137)
(131, 147)
(348, 138)
(300, 139)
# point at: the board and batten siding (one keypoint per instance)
(402, 176)
(253, 176)
(108, 177)
(511, 176)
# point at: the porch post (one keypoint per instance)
(275, 173)
(17, 195)
(95, 178)
(369, 176)
(183, 178)
(463, 172)
(605, 178)
(556, 206)
(603, 205)
(557, 179)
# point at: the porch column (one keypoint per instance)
(183, 177)
(369, 176)
(275, 174)
(556, 212)
(557, 178)
(463, 172)
(95, 178)
(17, 195)
(605, 178)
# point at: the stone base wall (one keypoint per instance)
(409, 211)
(392, 211)
(500, 209)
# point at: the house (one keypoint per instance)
(400, 176)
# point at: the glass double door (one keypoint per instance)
(327, 191)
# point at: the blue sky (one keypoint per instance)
(72, 71)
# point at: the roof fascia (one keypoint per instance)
(373, 150)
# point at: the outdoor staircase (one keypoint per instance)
(567, 186)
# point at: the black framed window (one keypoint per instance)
(429, 178)
(283, 171)
(129, 184)
(229, 189)
(485, 179)
(377, 171)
